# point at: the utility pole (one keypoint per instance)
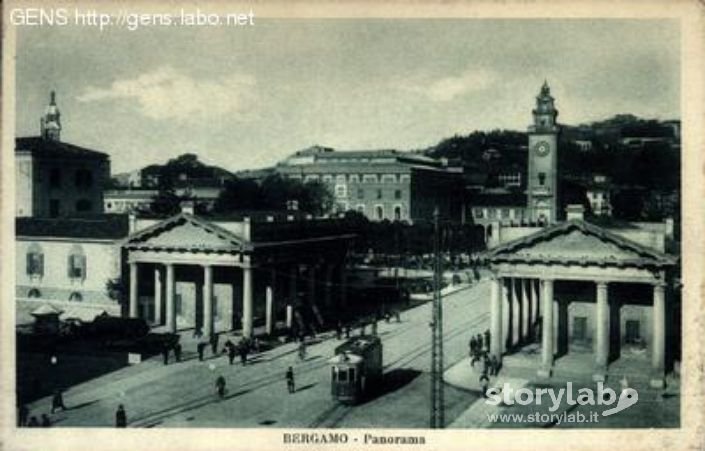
(437, 405)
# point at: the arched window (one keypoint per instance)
(380, 212)
(75, 297)
(34, 293)
(397, 213)
(76, 263)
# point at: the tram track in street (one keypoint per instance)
(332, 416)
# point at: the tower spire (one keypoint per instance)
(51, 120)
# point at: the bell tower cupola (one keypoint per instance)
(51, 120)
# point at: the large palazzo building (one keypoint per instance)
(383, 184)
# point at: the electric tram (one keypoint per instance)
(356, 368)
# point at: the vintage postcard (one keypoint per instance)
(339, 225)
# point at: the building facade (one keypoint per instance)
(57, 179)
(230, 274)
(68, 263)
(382, 185)
(587, 295)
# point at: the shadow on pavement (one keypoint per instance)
(83, 404)
(305, 387)
(391, 382)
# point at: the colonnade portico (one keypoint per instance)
(225, 274)
(524, 298)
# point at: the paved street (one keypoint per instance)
(183, 394)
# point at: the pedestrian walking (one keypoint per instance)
(473, 345)
(494, 365)
(214, 343)
(242, 349)
(165, 354)
(484, 384)
(488, 336)
(200, 347)
(45, 421)
(290, 380)
(120, 417)
(22, 415)
(231, 354)
(479, 344)
(33, 423)
(220, 386)
(57, 401)
(302, 351)
(177, 352)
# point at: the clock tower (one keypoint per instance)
(543, 148)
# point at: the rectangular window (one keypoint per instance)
(397, 194)
(35, 264)
(478, 213)
(389, 178)
(369, 178)
(341, 191)
(55, 178)
(77, 266)
(405, 178)
(360, 193)
(354, 178)
(542, 178)
(379, 194)
(342, 376)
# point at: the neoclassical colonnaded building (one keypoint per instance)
(224, 274)
(584, 290)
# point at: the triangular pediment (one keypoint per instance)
(580, 243)
(184, 231)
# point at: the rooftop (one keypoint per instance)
(106, 227)
(52, 148)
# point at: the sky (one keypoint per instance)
(246, 97)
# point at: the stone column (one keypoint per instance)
(658, 350)
(312, 284)
(602, 330)
(246, 301)
(133, 290)
(526, 310)
(170, 306)
(207, 300)
(516, 311)
(293, 283)
(505, 295)
(158, 317)
(289, 316)
(328, 296)
(269, 314)
(535, 299)
(547, 329)
(496, 318)
(343, 286)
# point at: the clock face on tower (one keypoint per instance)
(542, 148)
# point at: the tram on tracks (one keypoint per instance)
(356, 368)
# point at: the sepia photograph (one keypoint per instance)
(348, 230)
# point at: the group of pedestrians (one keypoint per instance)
(25, 420)
(479, 352)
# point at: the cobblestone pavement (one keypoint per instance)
(183, 394)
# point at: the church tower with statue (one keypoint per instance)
(542, 176)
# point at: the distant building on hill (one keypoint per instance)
(382, 184)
